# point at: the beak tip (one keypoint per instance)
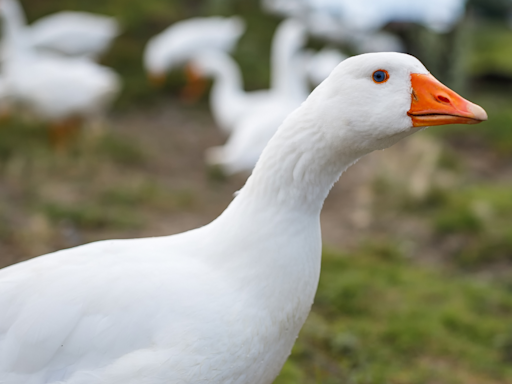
(478, 112)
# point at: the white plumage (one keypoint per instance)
(52, 87)
(366, 15)
(230, 103)
(79, 34)
(74, 33)
(260, 114)
(178, 44)
(320, 64)
(220, 304)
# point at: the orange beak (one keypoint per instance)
(435, 104)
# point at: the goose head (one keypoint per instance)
(373, 100)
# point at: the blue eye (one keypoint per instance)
(380, 76)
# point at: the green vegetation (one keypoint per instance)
(32, 141)
(382, 319)
(149, 194)
(90, 215)
(477, 215)
(491, 51)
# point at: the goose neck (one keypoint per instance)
(228, 78)
(287, 73)
(14, 26)
(297, 169)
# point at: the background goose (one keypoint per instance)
(320, 64)
(177, 44)
(70, 33)
(223, 303)
(58, 90)
(366, 15)
(80, 34)
(230, 103)
(260, 121)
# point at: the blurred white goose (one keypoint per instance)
(176, 45)
(230, 103)
(320, 64)
(55, 89)
(79, 34)
(259, 122)
(223, 303)
(372, 15)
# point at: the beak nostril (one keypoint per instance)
(443, 99)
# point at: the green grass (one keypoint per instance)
(384, 320)
(31, 141)
(90, 216)
(147, 194)
(491, 49)
(479, 215)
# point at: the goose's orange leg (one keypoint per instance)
(195, 87)
(63, 132)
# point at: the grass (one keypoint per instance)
(491, 52)
(31, 141)
(480, 216)
(381, 319)
(148, 194)
(90, 216)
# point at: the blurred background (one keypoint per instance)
(417, 271)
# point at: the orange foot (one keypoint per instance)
(63, 132)
(195, 87)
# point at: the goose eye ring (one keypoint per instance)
(380, 76)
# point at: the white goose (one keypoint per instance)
(176, 45)
(366, 15)
(56, 89)
(223, 303)
(79, 34)
(320, 64)
(260, 121)
(230, 103)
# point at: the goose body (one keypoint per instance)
(321, 64)
(223, 303)
(177, 44)
(52, 87)
(55, 89)
(260, 120)
(254, 130)
(372, 15)
(231, 104)
(252, 118)
(79, 34)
